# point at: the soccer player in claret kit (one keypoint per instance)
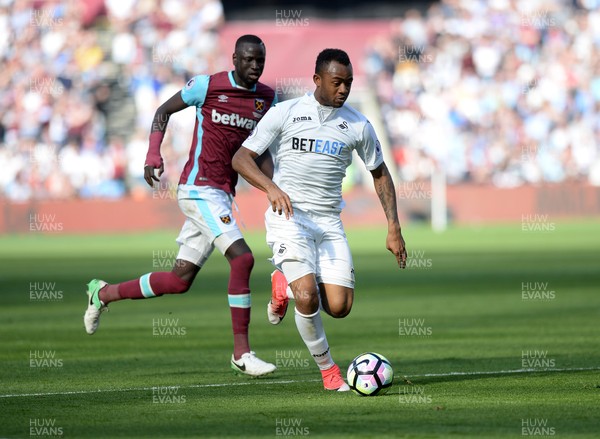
(228, 106)
(314, 137)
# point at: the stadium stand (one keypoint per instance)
(493, 92)
(501, 92)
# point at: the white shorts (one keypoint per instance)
(310, 243)
(209, 223)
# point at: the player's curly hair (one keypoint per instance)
(328, 55)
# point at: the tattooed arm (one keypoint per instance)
(384, 186)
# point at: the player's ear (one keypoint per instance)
(317, 80)
(234, 59)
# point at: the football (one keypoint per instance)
(370, 374)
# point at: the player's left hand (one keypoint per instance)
(395, 244)
(150, 176)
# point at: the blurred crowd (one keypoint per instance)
(505, 92)
(500, 91)
(79, 85)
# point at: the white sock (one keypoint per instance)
(311, 330)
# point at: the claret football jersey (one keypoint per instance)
(312, 147)
(225, 114)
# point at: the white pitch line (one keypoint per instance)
(503, 372)
(257, 381)
(143, 389)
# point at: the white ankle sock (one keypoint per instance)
(311, 330)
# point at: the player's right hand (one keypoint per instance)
(150, 175)
(280, 201)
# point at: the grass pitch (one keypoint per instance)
(492, 332)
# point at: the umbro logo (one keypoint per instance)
(223, 98)
(301, 119)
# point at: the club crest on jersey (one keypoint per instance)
(223, 98)
(259, 105)
(225, 219)
(343, 126)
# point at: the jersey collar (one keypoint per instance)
(234, 84)
(310, 97)
(324, 111)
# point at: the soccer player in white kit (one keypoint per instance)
(313, 138)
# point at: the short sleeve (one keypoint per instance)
(369, 148)
(194, 92)
(266, 131)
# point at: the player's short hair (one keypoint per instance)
(328, 55)
(251, 39)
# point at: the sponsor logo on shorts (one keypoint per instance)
(225, 219)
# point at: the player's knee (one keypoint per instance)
(340, 308)
(307, 301)
(242, 263)
(178, 285)
(340, 313)
(239, 275)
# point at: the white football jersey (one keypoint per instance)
(312, 147)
